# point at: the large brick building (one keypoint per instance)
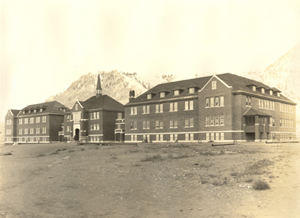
(214, 108)
(35, 123)
(94, 120)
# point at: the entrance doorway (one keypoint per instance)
(76, 137)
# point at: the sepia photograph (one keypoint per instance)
(147, 108)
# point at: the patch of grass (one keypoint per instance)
(260, 185)
(96, 147)
(41, 155)
(8, 153)
(70, 151)
(206, 165)
(234, 174)
(136, 165)
(212, 175)
(55, 152)
(248, 180)
(82, 149)
(171, 156)
(219, 182)
(156, 157)
(208, 153)
(259, 166)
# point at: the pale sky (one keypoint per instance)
(46, 45)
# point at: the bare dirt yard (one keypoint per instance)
(149, 180)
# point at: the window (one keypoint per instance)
(222, 101)
(31, 120)
(173, 106)
(189, 105)
(92, 127)
(207, 121)
(68, 128)
(263, 90)
(149, 96)
(98, 126)
(254, 88)
(186, 122)
(162, 94)
(176, 92)
(41, 110)
(159, 108)
(34, 111)
(146, 109)
(37, 130)
(159, 124)
(271, 92)
(31, 130)
(44, 119)
(8, 131)
(76, 107)
(217, 102)
(248, 101)
(20, 121)
(133, 111)
(212, 136)
(191, 90)
(175, 124)
(144, 124)
(222, 136)
(222, 120)
(26, 131)
(133, 125)
(216, 120)
(207, 102)
(37, 119)
(217, 136)
(212, 121)
(191, 122)
(25, 120)
(8, 122)
(171, 123)
(214, 85)
(278, 94)
(20, 131)
(44, 130)
(280, 122)
(207, 136)
(91, 116)
(212, 102)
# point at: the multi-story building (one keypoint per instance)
(214, 108)
(35, 123)
(93, 120)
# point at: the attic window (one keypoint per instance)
(278, 94)
(176, 92)
(162, 94)
(263, 90)
(76, 107)
(271, 92)
(29, 111)
(254, 88)
(149, 96)
(41, 110)
(214, 85)
(34, 111)
(24, 112)
(191, 90)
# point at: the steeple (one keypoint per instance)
(98, 89)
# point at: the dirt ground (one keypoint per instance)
(149, 180)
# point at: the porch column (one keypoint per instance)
(257, 133)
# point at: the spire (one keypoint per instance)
(98, 89)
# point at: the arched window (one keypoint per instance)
(214, 85)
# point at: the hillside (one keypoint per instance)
(115, 84)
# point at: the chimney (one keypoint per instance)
(131, 95)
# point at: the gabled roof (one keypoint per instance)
(48, 107)
(182, 85)
(14, 112)
(253, 112)
(102, 102)
(240, 83)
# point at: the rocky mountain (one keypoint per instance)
(115, 84)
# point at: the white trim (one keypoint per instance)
(12, 112)
(283, 132)
(215, 76)
(164, 133)
(247, 111)
(195, 96)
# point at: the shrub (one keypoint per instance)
(152, 158)
(71, 151)
(82, 149)
(8, 153)
(260, 185)
(41, 155)
(248, 180)
(234, 174)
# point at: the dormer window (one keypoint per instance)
(149, 96)
(29, 111)
(191, 90)
(271, 92)
(176, 92)
(263, 90)
(278, 94)
(254, 88)
(24, 112)
(34, 111)
(41, 110)
(162, 94)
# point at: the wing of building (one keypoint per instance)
(94, 120)
(35, 123)
(222, 107)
